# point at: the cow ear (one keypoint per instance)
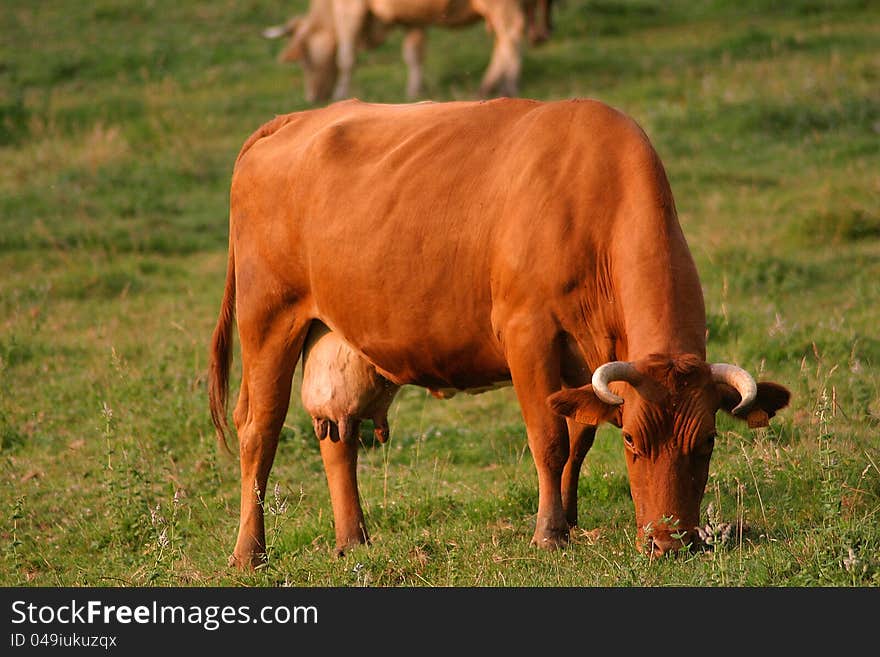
(299, 29)
(771, 397)
(292, 52)
(582, 405)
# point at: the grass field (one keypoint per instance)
(119, 124)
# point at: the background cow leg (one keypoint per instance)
(581, 438)
(530, 11)
(508, 23)
(340, 465)
(414, 55)
(350, 18)
(269, 353)
(534, 368)
(539, 20)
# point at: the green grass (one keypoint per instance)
(119, 124)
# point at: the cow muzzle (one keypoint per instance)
(660, 542)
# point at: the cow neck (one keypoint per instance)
(657, 292)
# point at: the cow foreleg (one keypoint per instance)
(534, 380)
(349, 17)
(581, 438)
(414, 55)
(340, 466)
(269, 355)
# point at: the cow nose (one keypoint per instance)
(658, 546)
(661, 543)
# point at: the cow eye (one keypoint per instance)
(630, 445)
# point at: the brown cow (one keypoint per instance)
(339, 389)
(459, 245)
(325, 41)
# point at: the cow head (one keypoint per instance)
(313, 45)
(667, 414)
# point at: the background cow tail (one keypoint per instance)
(221, 357)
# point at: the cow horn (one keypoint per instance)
(738, 379)
(278, 31)
(617, 370)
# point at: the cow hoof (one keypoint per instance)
(249, 562)
(341, 548)
(359, 537)
(550, 541)
(340, 551)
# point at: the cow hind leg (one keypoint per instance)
(340, 466)
(349, 19)
(539, 21)
(269, 356)
(413, 54)
(508, 23)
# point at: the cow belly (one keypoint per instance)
(447, 393)
(406, 354)
(424, 12)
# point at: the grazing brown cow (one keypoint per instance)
(326, 40)
(339, 389)
(465, 244)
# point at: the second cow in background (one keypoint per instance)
(325, 41)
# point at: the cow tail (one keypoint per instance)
(221, 343)
(221, 357)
